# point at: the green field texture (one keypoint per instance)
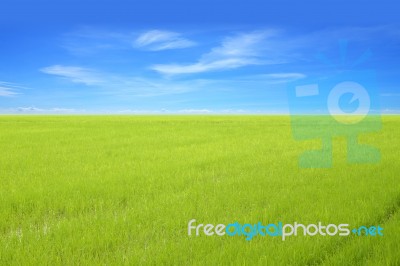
(120, 190)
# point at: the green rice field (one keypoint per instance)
(120, 190)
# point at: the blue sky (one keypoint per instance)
(187, 56)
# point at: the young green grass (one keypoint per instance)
(121, 190)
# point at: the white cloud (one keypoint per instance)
(242, 45)
(276, 78)
(74, 74)
(155, 36)
(8, 89)
(36, 110)
(286, 75)
(138, 111)
(157, 40)
(271, 78)
(229, 63)
(29, 109)
(114, 84)
(390, 111)
(166, 111)
(122, 86)
(184, 111)
(65, 110)
(88, 41)
(234, 52)
(195, 111)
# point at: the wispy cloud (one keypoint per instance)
(166, 111)
(37, 110)
(8, 89)
(234, 52)
(157, 40)
(195, 111)
(74, 74)
(199, 67)
(89, 41)
(198, 111)
(391, 111)
(285, 75)
(117, 84)
(275, 78)
(270, 78)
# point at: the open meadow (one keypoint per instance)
(120, 190)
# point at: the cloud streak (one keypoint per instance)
(32, 109)
(8, 89)
(41, 111)
(114, 84)
(157, 40)
(234, 52)
(74, 74)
